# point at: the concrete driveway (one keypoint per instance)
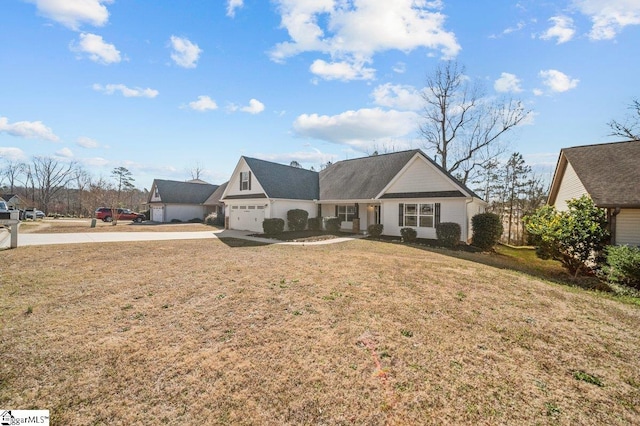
(111, 237)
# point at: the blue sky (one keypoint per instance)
(162, 87)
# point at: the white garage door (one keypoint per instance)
(156, 214)
(246, 218)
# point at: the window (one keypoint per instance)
(346, 213)
(419, 215)
(245, 181)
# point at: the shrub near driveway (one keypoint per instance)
(353, 333)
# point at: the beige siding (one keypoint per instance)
(628, 227)
(570, 187)
(421, 176)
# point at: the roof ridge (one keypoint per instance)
(602, 144)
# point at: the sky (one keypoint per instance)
(166, 87)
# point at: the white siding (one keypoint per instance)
(233, 187)
(450, 211)
(421, 176)
(473, 208)
(279, 208)
(183, 212)
(628, 227)
(570, 187)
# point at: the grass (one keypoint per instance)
(364, 332)
(84, 225)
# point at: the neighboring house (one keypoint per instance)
(610, 175)
(403, 189)
(214, 203)
(15, 201)
(171, 200)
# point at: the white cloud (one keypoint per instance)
(96, 48)
(343, 29)
(563, 29)
(65, 152)
(88, 143)
(398, 96)
(507, 83)
(12, 153)
(185, 53)
(127, 92)
(95, 162)
(558, 81)
(204, 103)
(72, 14)
(538, 92)
(341, 70)
(609, 17)
(254, 107)
(27, 129)
(362, 129)
(232, 5)
(400, 68)
(303, 157)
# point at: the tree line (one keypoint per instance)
(67, 188)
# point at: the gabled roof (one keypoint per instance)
(175, 192)
(609, 172)
(367, 177)
(217, 195)
(280, 181)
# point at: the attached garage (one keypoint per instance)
(247, 217)
(157, 214)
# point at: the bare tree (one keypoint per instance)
(12, 171)
(50, 176)
(196, 171)
(460, 125)
(630, 128)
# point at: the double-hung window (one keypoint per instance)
(346, 213)
(419, 215)
(245, 181)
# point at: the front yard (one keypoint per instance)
(364, 332)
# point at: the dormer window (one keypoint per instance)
(245, 181)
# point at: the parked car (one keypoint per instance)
(3, 207)
(30, 213)
(105, 214)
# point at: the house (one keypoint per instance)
(171, 200)
(397, 190)
(609, 174)
(15, 201)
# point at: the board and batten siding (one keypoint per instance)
(421, 176)
(570, 187)
(628, 227)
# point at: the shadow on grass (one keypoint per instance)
(239, 242)
(519, 259)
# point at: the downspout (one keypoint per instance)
(467, 218)
(612, 223)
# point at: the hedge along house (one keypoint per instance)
(402, 189)
(171, 200)
(610, 175)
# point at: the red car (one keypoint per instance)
(105, 214)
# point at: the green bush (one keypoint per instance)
(487, 230)
(448, 234)
(375, 230)
(623, 265)
(576, 237)
(333, 224)
(408, 234)
(297, 219)
(176, 221)
(273, 226)
(314, 223)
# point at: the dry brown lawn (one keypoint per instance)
(49, 226)
(364, 332)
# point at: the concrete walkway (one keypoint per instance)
(110, 237)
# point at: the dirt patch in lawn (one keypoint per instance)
(362, 332)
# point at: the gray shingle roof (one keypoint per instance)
(609, 172)
(365, 178)
(280, 181)
(176, 192)
(217, 195)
